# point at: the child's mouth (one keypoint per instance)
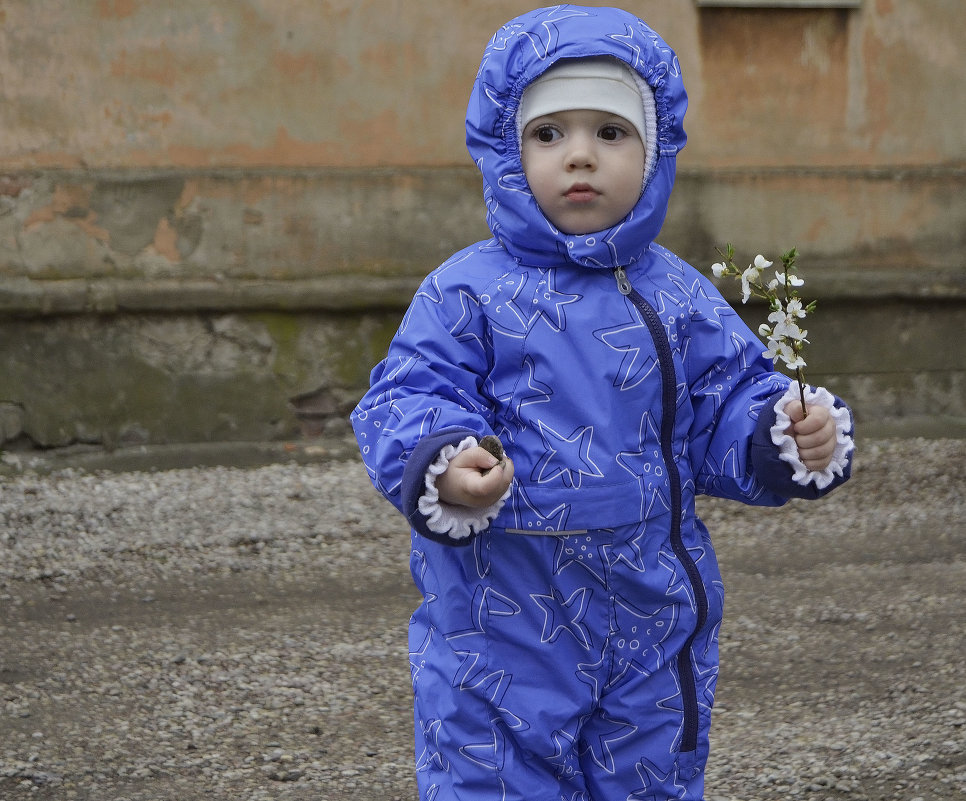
(581, 193)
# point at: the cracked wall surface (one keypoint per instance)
(213, 214)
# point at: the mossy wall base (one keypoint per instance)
(150, 378)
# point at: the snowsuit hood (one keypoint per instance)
(521, 51)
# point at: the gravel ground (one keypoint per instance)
(227, 633)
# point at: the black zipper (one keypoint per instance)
(689, 692)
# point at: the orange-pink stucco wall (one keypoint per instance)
(383, 83)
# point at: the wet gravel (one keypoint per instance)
(227, 633)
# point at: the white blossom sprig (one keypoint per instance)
(783, 332)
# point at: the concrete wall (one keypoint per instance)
(208, 209)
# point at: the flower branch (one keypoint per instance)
(783, 332)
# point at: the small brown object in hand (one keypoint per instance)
(493, 445)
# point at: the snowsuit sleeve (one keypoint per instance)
(736, 397)
(775, 454)
(426, 395)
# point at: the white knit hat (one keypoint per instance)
(601, 84)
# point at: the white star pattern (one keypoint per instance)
(564, 615)
(581, 550)
(640, 635)
(539, 520)
(627, 339)
(612, 732)
(570, 450)
(656, 784)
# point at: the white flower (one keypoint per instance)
(779, 350)
(793, 279)
(784, 352)
(764, 330)
(719, 269)
(794, 308)
(762, 263)
(789, 332)
(748, 277)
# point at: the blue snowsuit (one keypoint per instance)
(569, 650)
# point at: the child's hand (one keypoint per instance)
(814, 435)
(475, 477)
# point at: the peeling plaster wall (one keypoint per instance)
(270, 224)
(101, 84)
(208, 209)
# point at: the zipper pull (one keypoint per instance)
(623, 285)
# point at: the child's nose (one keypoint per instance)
(581, 154)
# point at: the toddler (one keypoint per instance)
(553, 401)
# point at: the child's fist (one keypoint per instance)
(814, 435)
(475, 477)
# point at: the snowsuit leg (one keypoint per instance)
(548, 668)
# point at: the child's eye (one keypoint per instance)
(546, 134)
(611, 133)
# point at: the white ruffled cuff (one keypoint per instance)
(456, 522)
(844, 445)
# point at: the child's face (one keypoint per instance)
(585, 168)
